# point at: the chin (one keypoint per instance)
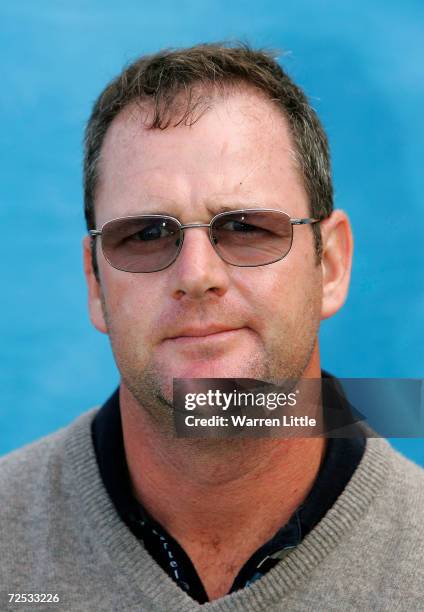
(199, 370)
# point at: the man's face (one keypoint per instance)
(237, 155)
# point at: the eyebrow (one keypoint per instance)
(219, 209)
(209, 207)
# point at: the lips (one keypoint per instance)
(200, 332)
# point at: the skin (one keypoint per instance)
(237, 155)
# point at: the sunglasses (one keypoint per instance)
(245, 238)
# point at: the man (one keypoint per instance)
(214, 251)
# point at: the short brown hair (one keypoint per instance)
(166, 77)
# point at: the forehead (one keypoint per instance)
(239, 148)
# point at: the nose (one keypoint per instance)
(198, 271)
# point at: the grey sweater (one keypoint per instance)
(60, 534)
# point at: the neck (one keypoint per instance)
(203, 491)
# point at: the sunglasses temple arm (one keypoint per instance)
(304, 221)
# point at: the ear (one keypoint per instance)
(94, 289)
(336, 262)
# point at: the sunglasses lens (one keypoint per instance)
(141, 244)
(252, 238)
(151, 243)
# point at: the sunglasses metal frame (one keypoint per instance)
(183, 226)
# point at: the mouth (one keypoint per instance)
(204, 337)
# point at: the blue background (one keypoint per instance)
(362, 65)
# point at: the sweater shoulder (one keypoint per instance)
(21, 469)
(409, 474)
(406, 479)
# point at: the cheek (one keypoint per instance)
(283, 296)
(130, 308)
